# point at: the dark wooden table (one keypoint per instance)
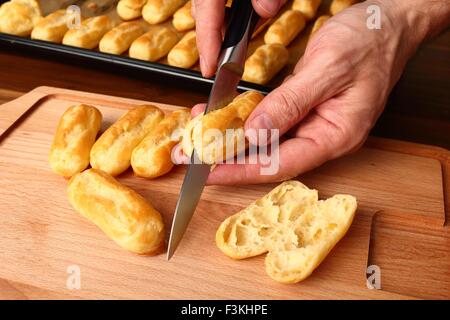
(418, 110)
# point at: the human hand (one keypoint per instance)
(338, 89)
(209, 18)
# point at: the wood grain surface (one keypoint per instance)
(418, 109)
(41, 235)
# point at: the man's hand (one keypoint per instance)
(339, 88)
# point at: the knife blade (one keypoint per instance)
(242, 22)
(87, 8)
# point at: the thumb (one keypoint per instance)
(290, 103)
(267, 8)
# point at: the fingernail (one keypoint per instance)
(262, 121)
(270, 7)
(203, 66)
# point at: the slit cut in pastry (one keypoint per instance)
(265, 63)
(18, 17)
(339, 5)
(119, 39)
(290, 223)
(89, 34)
(112, 151)
(153, 156)
(285, 28)
(74, 137)
(52, 28)
(208, 133)
(307, 7)
(120, 212)
(182, 19)
(185, 52)
(157, 11)
(154, 44)
(130, 9)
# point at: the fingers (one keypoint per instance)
(209, 16)
(296, 156)
(311, 84)
(267, 8)
(317, 141)
(197, 109)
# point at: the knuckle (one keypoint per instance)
(350, 139)
(288, 106)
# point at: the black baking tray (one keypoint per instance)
(193, 76)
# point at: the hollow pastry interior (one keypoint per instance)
(290, 223)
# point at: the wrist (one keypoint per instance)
(414, 21)
(417, 20)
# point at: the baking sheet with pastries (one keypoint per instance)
(296, 48)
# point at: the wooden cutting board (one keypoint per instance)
(41, 236)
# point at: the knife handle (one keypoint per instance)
(241, 23)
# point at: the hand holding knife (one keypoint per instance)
(242, 22)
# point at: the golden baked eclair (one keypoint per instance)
(153, 156)
(130, 9)
(307, 7)
(339, 5)
(265, 63)
(285, 28)
(112, 151)
(52, 28)
(157, 11)
(18, 17)
(319, 23)
(120, 212)
(187, 143)
(290, 223)
(208, 133)
(89, 34)
(185, 52)
(182, 18)
(74, 137)
(119, 39)
(154, 44)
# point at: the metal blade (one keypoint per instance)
(222, 93)
(224, 87)
(190, 194)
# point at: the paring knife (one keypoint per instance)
(241, 23)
